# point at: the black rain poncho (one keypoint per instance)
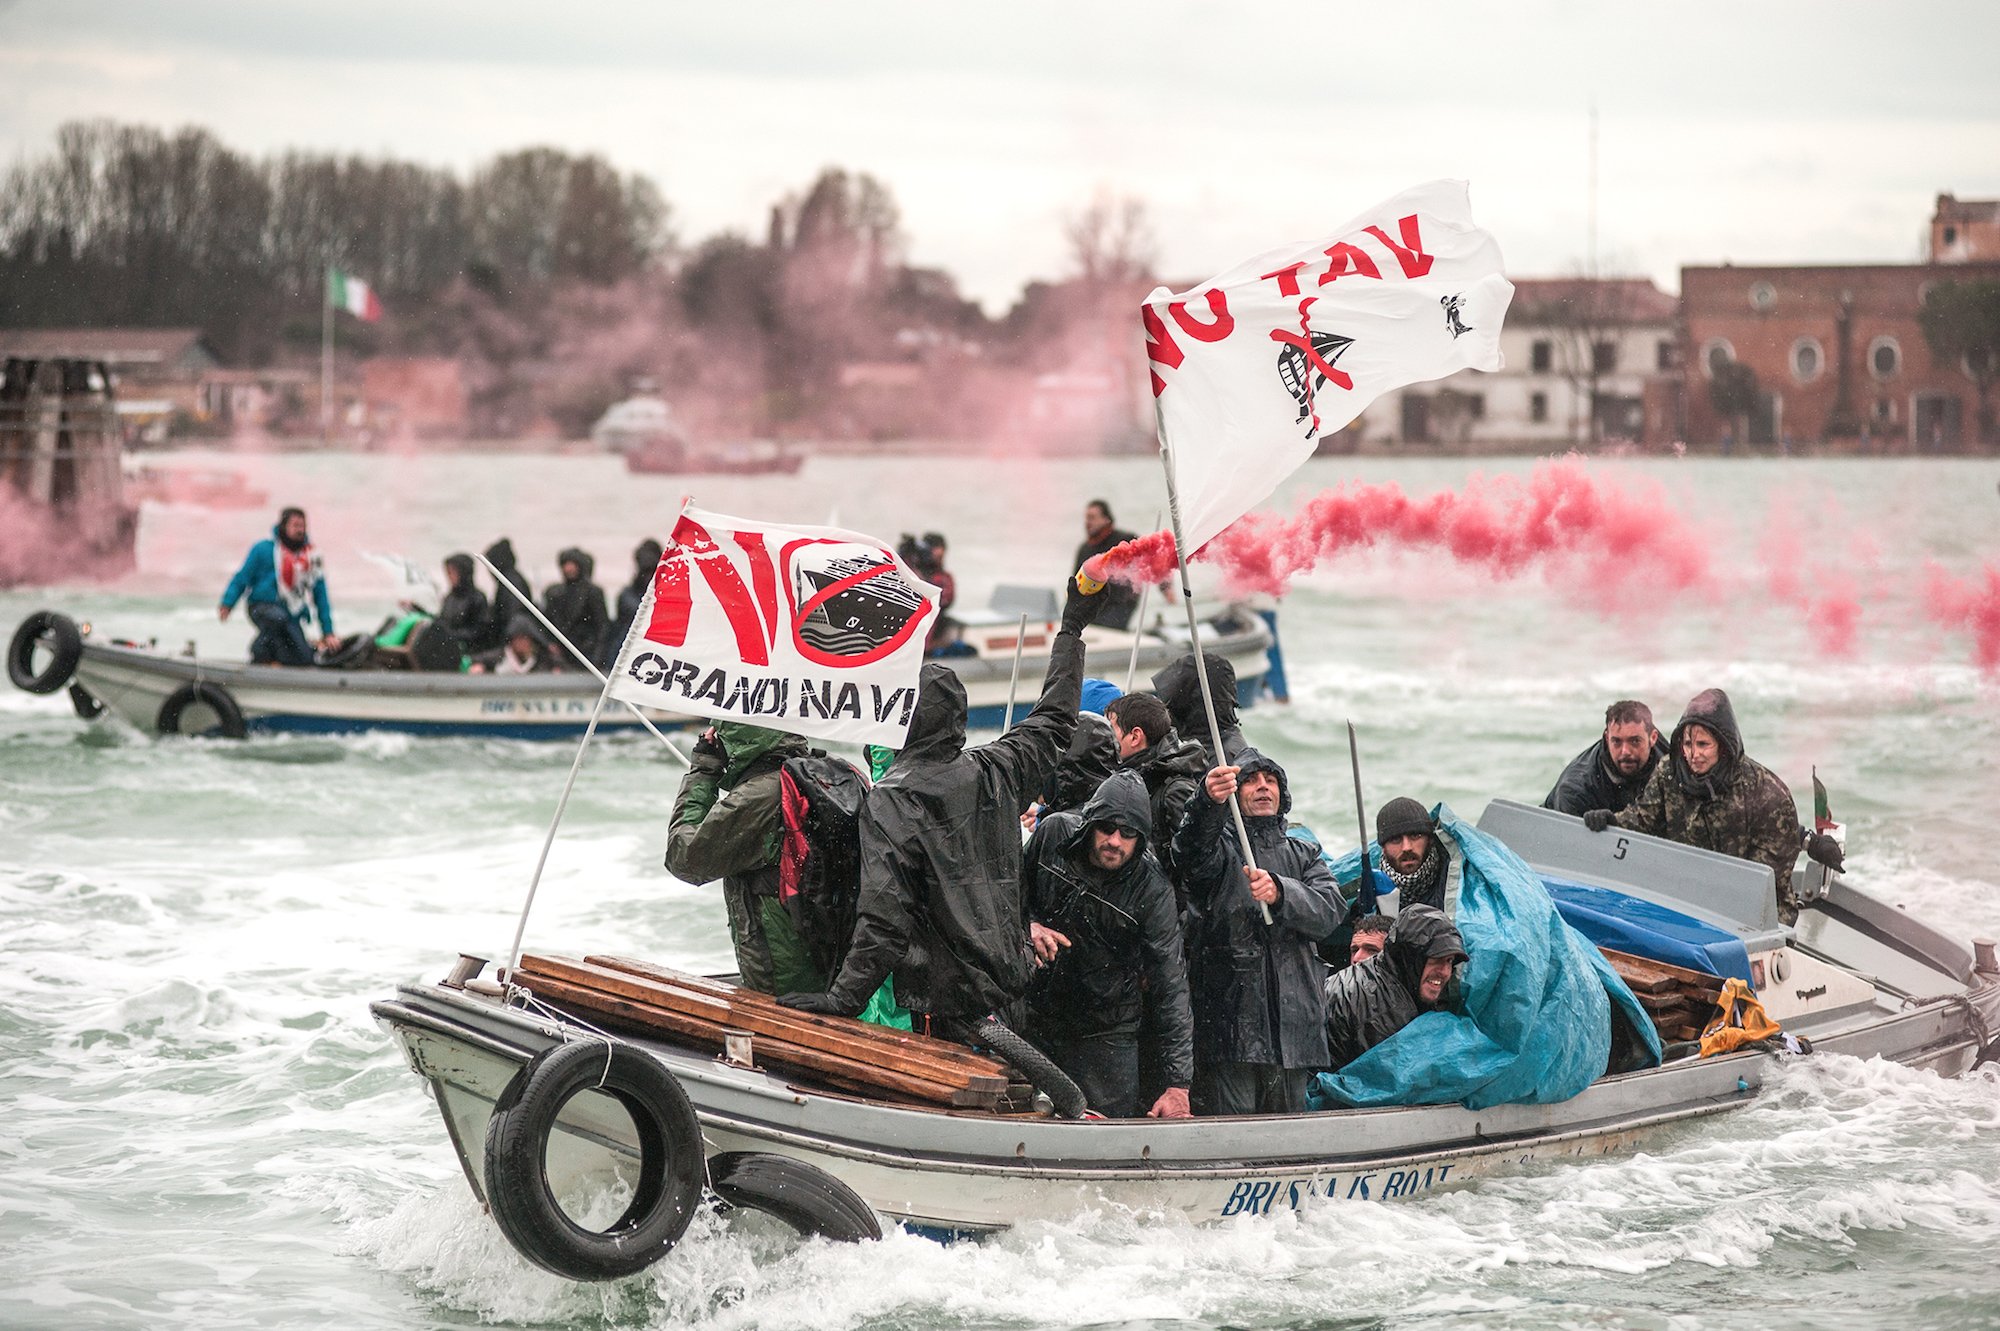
(576, 607)
(1367, 1004)
(1180, 690)
(1257, 988)
(940, 902)
(1124, 955)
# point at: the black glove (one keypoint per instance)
(1079, 610)
(1823, 849)
(709, 757)
(1597, 819)
(820, 1003)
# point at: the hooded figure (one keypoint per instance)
(645, 560)
(508, 659)
(940, 898)
(1091, 755)
(464, 609)
(1738, 807)
(727, 824)
(1123, 957)
(1259, 1015)
(511, 596)
(576, 606)
(1369, 1002)
(1180, 690)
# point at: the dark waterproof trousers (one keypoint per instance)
(1248, 1088)
(280, 640)
(1105, 1068)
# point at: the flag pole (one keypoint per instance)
(1132, 665)
(534, 883)
(588, 664)
(1014, 680)
(326, 357)
(1194, 641)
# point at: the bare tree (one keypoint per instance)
(1586, 317)
(1111, 240)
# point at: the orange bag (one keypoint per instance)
(1741, 1020)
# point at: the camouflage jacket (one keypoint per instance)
(1749, 814)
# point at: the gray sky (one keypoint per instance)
(1758, 132)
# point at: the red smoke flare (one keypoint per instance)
(1962, 603)
(1558, 517)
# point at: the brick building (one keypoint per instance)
(1837, 351)
(1965, 230)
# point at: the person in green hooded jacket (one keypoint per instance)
(727, 824)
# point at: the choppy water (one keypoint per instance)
(202, 1128)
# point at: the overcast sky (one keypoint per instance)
(1756, 132)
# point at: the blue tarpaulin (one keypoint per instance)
(1537, 1022)
(1625, 923)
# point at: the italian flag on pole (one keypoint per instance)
(344, 291)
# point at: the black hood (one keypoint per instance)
(522, 625)
(1710, 710)
(501, 555)
(645, 558)
(1091, 756)
(1249, 762)
(462, 565)
(584, 563)
(937, 730)
(1122, 801)
(1419, 933)
(1180, 690)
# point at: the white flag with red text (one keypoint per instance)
(812, 630)
(1251, 369)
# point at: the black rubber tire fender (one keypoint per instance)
(672, 1170)
(1040, 1070)
(85, 702)
(229, 717)
(804, 1196)
(65, 645)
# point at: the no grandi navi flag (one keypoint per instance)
(1252, 368)
(344, 291)
(812, 630)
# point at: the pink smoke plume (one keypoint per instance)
(1827, 596)
(1965, 604)
(1558, 517)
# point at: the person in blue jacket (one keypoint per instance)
(286, 587)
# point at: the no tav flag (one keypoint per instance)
(1249, 370)
(813, 630)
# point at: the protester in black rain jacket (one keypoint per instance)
(1178, 687)
(1091, 755)
(1368, 1003)
(940, 897)
(511, 595)
(1111, 944)
(464, 609)
(576, 606)
(645, 559)
(1259, 1014)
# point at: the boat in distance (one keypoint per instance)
(183, 693)
(1854, 976)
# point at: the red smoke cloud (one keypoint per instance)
(1827, 597)
(1964, 604)
(1612, 539)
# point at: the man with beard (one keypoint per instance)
(1259, 1008)
(1611, 773)
(1180, 689)
(576, 606)
(1171, 767)
(286, 586)
(1414, 973)
(1710, 794)
(1413, 856)
(1107, 946)
(940, 901)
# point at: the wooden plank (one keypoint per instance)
(775, 1053)
(1644, 975)
(919, 1055)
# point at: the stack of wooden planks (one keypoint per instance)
(853, 1056)
(1680, 1001)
